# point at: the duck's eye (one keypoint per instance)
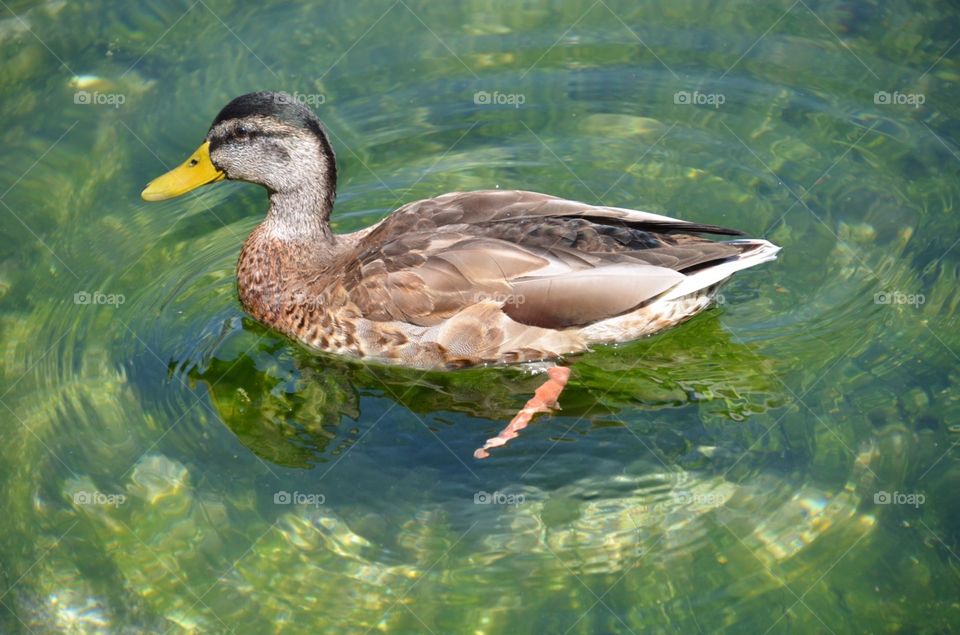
(243, 131)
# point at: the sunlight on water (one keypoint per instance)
(785, 462)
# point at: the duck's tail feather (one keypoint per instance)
(753, 251)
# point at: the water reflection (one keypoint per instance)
(681, 482)
(302, 409)
(658, 525)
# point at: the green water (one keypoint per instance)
(169, 466)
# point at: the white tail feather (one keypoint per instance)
(699, 280)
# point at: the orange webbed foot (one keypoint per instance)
(544, 399)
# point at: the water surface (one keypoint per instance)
(783, 463)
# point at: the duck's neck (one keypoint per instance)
(284, 253)
(301, 216)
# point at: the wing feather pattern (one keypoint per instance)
(550, 262)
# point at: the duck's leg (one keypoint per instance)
(544, 398)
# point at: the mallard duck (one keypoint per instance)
(462, 279)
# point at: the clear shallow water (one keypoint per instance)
(170, 466)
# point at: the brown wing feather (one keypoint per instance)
(499, 205)
(588, 295)
(551, 262)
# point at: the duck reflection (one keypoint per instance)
(296, 408)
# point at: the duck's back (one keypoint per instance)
(504, 276)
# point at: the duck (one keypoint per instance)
(464, 279)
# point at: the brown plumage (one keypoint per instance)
(462, 279)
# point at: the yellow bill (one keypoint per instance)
(196, 171)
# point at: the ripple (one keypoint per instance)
(703, 473)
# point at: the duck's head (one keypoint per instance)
(266, 138)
